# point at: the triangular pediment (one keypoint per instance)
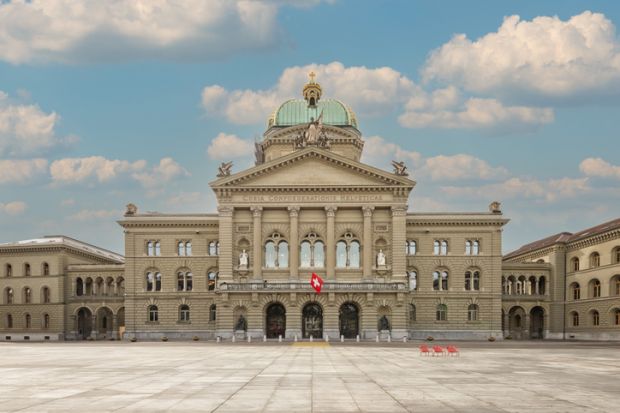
(312, 167)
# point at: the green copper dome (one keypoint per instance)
(297, 111)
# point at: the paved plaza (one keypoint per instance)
(308, 377)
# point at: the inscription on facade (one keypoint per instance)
(312, 198)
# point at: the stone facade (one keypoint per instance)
(309, 206)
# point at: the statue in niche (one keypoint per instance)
(243, 260)
(242, 324)
(380, 259)
(384, 323)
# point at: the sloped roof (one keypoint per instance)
(62, 240)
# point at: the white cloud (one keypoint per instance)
(25, 129)
(460, 166)
(21, 171)
(599, 167)
(545, 57)
(368, 91)
(442, 110)
(379, 152)
(92, 215)
(67, 202)
(77, 170)
(226, 147)
(523, 188)
(38, 31)
(13, 208)
(159, 175)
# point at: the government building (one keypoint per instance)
(310, 206)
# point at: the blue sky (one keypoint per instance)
(128, 101)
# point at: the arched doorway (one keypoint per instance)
(537, 322)
(348, 317)
(105, 322)
(275, 324)
(312, 321)
(84, 323)
(516, 323)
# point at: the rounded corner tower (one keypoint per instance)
(312, 121)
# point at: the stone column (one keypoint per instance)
(399, 233)
(257, 242)
(293, 212)
(225, 261)
(367, 247)
(330, 242)
(506, 324)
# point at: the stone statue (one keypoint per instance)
(312, 133)
(224, 169)
(243, 259)
(242, 324)
(384, 323)
(495, 207)
(380, 259)
(131, 209)
(400, 168)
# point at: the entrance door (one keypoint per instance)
(84, 323)
(312, 321)
(276, 321)
(349, 320)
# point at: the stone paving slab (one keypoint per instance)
(308, 377)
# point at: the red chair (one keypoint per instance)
(453, 351)
(424, 350)
(438, 351)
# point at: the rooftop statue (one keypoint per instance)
(314, 135)
(400, 168)
(224, 169)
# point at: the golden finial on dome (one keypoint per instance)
(312, 91)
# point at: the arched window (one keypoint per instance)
(79, 287)
(45, 321)
(615, 285)
(153, 313)
(475, 248)
(436, 247)
(120, 286)
(211, 280)
(312, 251)
(595, 318)
(595, 260)
(184, 281)
(348, 251)
(411, 247)
(9, 270)
(46, 269)
(595, 288)
(28, 321)
(440, 280)
(472, 312)
(276, 252)
(468, 247)
(150, 248)
(574, 264)
(153, 281)
(212, 312)
(270, 254)
(617, 317)
(184, 313)
(444, 247)
(615, 255)
(9, 321)
(442, 312)
(412, 313)
(283, 254)
(575, 291)
(157, 248)
(472, 280)
(214, 248)
(27, 295)
(8, 295)
(45, 295)
(413, 280)
(88, 286)
(27, 271)
(99, 284)
(541, 286)
(575, 318)
(181, 248)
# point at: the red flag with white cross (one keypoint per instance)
(316, 282)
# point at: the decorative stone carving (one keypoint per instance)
(314, 135)
(400, 168)
(131, 209)
(224, 169)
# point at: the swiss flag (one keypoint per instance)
(316, 282)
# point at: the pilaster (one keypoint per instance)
(257, 242)
(330, 242)
(367, 242)
(225, 261)
(399, 260)
(293, 212)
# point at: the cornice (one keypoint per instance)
(455, 219)
(593, 240)
(29, 249)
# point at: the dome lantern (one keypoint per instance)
(312, 91)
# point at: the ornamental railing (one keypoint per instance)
(304, 286)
